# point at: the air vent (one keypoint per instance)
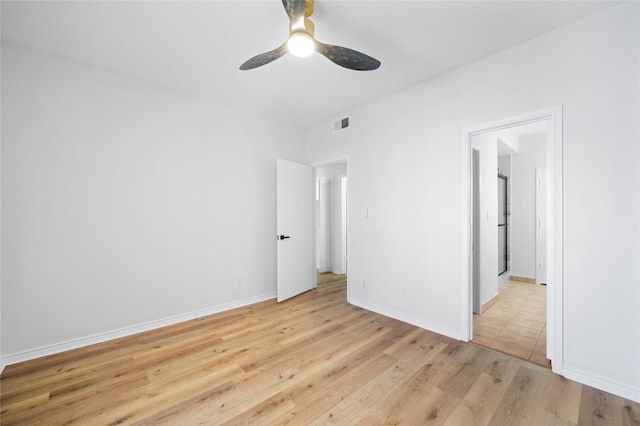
(341, 124)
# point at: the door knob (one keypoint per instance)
(282, 237)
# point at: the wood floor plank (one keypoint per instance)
(481, 401)
(431, 407)
(521, 399)
(320, 393)
(599, 408)
(67, 366)
(269, 411)
(314, 359)
(182, 411)
(68, 402)
(21, 409)
(355, 408)
(458, 376)
(562, 398)
(419, 402)
(163, 397)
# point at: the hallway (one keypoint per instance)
(516, 324)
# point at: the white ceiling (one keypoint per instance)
(197, 47)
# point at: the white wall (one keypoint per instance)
(523, 203)
(504, 165)
(487, 146)
(404, 170)
(336, 172)
(125, 204)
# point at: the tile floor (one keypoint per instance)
(516, 324)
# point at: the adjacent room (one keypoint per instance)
(509, 272)
(433, 217)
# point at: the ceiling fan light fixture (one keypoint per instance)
(301, 44)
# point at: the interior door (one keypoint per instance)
(294, 201)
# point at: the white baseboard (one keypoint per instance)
(489, 303)
(602, 383)
(457, 335)
(127, 331)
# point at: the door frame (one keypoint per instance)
(540, 172)
(555, 285)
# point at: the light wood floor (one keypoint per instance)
(311, 360)
(517, 323)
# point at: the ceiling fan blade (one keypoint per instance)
(294, 8)
(347, 58)
(264, 58)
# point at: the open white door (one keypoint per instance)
(294, 200)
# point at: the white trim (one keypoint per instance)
(466, 289)
(128, 331)
(331, 162)
(406, 318)
(603, 383)
(540, 239)
(555, 264)
(555, 305)
(344, 188)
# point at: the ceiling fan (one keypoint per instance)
(302, 43)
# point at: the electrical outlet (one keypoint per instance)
(364, 283)
(404, 291)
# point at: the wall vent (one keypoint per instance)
(341, 124)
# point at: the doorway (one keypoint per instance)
(331, 222)
(477, 253)
(512, 317)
